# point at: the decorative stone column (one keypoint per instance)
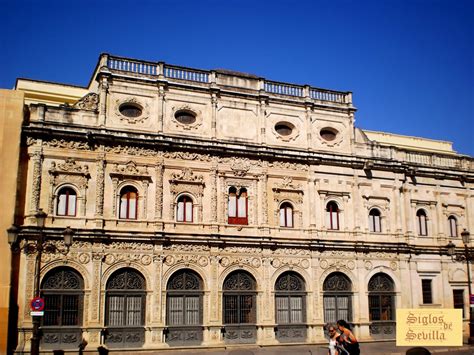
(100, 181)
(103, 89)
(159, 169)
(37, 158)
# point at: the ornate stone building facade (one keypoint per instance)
(215, 207)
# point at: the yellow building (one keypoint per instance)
(215, 208)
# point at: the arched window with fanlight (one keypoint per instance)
(332, 215)
(422, 222)
(453, 226)
(238, 206)
(382, 306)
(290, 307)
(125, 308)
(184, 209)
(239, 307)
(63, 291)
(337, 298)
(184, 311)
(128, 204)
(66, 202)
(375, 222)
(286, 215)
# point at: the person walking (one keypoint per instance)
(347, 339)
(333, 334)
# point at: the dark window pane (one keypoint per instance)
(427, 292)
(458, 298)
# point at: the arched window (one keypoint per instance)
(239, 298)
(184, 212)
(125, 308)
(128, 203)
(66, 203)
(337, 298)
(332, 215)
(184, 308)
(453, 226)
(62, 290)
(382, 306)
(239, 307)
(290, 299)
(238, 206)
(286, 215)
(375, 224)
(422, 222)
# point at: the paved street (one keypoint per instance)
(385, 348)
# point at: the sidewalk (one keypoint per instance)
(378, 348)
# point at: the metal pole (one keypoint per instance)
(36, 336)
(471, 313)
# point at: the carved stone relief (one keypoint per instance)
(69, 172)
(142, 104)
(338, 264)
(88, 102)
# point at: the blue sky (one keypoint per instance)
(409, 63)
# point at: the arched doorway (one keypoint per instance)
(290, 308)
(184, 294)
(337, 298)
(63, 292)
(382, 306)
(125, 309)
(239, 308)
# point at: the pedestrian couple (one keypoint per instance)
(341, 340)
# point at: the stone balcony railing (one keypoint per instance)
(160, 69)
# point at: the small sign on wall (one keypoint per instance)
(429, 327)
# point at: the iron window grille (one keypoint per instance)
(239, 298)
(381, 298)
(337, 298)
(290, 300)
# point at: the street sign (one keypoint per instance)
(37, 313)
(37, 304)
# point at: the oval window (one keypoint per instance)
(328, 134)
(130, 110)
(284, 129)
(185, 117)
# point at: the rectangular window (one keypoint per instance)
(458, 298)
(180, 211)
(242, 209)
(422, 225)
(427, 291)
(289, 217)
(189, 211)
(232, 206)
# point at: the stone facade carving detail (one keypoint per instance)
(199, 260)
(159, 191)
(291, 262)
(292, 252)
(113, 258)
(134, 101)
(368, 265)
(240, 260)
(187, 248)
(88, 102)
(130, 150)
(100, 181)
(239, 166)
(186, 181)
(289, 166)
(72, 173)
(188, 126)
(36, 190)
(287, 190)
(213, 177)
(66, 144)
(188, 156)
(338, 264)
(240, 250)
